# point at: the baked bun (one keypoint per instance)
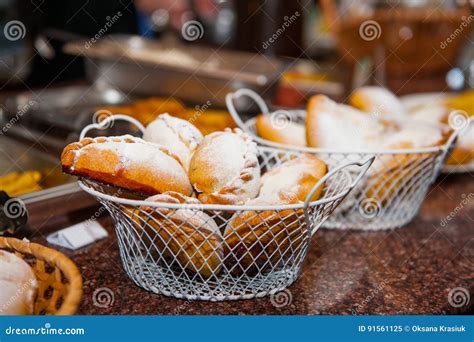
(127, 162)
(432, 114)
(257, 241)
(337, 126)
(225, 169)
(463, 151)
(288, 133)
(189, 236)
(377, 101)
(389, 173)
(179, 135)
(18, 285)
(294, 178)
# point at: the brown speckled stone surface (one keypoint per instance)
(404, 271)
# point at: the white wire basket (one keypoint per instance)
(220, 252)
(390, 194)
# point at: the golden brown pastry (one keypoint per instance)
(463, 151)
(127, 162)
(294, 178)
(289, 133)
(257, 241)
(389, 172)
(178, 135)
(340, 127)
(188, 235)
(377, 101)
(224, 168)
(147, 110)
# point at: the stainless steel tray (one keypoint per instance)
(64, 108)
(54, 117)
(192, 73)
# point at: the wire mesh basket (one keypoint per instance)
(221, 252)
(392, 191)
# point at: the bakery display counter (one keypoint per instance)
(410, 270)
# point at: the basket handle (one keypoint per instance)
(364, 166)
(111, 119)
(229, 100)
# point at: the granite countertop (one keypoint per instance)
(410, 270)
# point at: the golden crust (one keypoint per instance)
(188, 235)
(311, 123)
(86, 159)
(293, 134)
(263, 240)
(389, 175)
(208, 170)
(295, 178)
(460, 156)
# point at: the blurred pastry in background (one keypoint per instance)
(147, 110)
(377, 101)
(20, 183)
(19, 285)
(280, 130)
(436, 108)
(463, 101)
(207, 120)
(341, 127)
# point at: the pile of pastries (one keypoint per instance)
(175, 163)
(375, 120)
(146, 110)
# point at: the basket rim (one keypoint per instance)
(215, 207)
(250, 123)
(73, 297)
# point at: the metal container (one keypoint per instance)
(192, 73)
